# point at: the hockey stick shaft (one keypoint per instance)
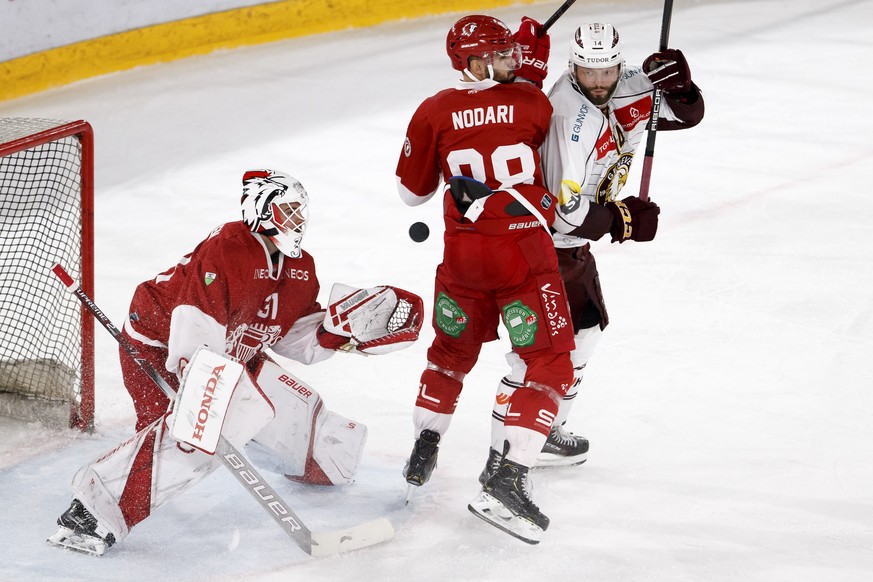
(656, 107)
(558, 13)
(311, 543)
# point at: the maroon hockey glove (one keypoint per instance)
(633, 219)
(535, 44)
(668, 70)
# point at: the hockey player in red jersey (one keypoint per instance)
(247, 287)
(482, 138)
(601, 112)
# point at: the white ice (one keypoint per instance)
(729, 407)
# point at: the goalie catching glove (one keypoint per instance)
(377, 320)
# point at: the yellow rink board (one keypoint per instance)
(204, 34)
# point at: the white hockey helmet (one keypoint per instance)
(277, 206)
(596, 46)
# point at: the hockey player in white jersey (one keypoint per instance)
(601, 112)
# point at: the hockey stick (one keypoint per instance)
(656, 107)
(313, 543)
(558, 13)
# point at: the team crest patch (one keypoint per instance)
(521, 322)
(208, 278)
(449, 316)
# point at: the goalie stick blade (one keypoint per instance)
(67, 539)
(489, 509)
(354, 538)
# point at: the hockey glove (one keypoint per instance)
(633, 219)
(535, 44)
(668, 70)
(371, 321)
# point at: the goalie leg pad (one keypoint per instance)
(217, 397)
(311, 444)
(124, 486)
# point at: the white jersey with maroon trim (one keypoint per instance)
(227, 295)
(592, 149)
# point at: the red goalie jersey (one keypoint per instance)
(225, 294)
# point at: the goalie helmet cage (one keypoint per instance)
(46, 218)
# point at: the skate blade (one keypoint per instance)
(488, 509)
(67, 539)
(410, 492)
(548, 460)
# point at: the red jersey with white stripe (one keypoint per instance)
(226, 294)
(484, 130)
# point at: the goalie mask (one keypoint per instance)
(275, 205)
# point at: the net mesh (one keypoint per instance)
(40, 226)
(400, 315)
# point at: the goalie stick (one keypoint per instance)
(656, 107)
(313, 543)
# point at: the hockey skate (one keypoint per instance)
(491, 466)
(80, 531)
(505, 503)
(563, 449)
(422, 461)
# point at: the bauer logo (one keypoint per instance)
(262, 491)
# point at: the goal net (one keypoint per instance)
(46, 218)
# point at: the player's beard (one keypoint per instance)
(504, 76)
(603, 98)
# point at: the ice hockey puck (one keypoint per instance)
(419, 232)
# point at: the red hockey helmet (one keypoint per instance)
(476, 36)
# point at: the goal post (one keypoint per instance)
(46, 218)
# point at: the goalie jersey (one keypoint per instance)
(227, 295)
